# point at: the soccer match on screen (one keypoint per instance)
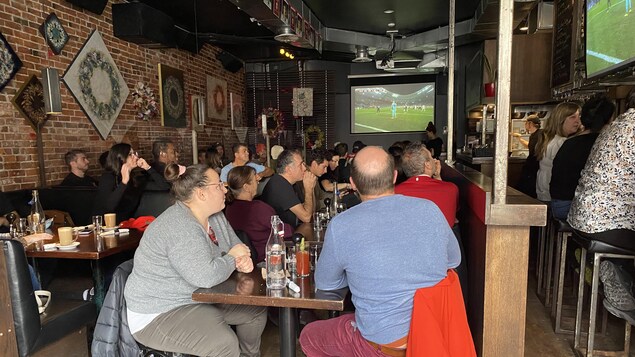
(610, 25)
(392, 108)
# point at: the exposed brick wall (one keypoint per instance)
(19, 23)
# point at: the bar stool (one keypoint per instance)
(546, 244)
(564, 231)
(600, 250)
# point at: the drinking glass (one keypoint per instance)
(302, 263)
(98, 222)
(22, 227)
(341, 207)
(291, 262)
(314, 254)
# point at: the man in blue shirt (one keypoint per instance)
(241, 158)
(383, 250)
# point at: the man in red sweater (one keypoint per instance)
(424, 181)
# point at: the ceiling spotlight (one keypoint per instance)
(524, 26)
(361, 54)
(391, 24)
(389, 11)
(287, 54)
(291, 56)
(282, 51)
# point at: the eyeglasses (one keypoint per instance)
(219, 185)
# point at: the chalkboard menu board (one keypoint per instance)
(561, 68)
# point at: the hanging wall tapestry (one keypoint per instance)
(236, 110)
(96, 83)
(302, 102)
(9, 63)
(54, 33)
(216, 98)
(29, 101)
(172, 97)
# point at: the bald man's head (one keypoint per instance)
(372, 171)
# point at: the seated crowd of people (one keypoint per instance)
(581, 164)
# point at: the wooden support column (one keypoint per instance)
(505, 300)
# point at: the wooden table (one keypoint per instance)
(88, 250)
(251, 289)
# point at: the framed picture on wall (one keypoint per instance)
(276, 7)
(285, 12)
(216, 98)
(172, 97)
(267, 2)
(29, 100)
(96, 83)
(236, 102)
(293, 19)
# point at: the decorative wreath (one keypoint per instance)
(98, 60)
(314, 131)
(218, 93)
(275, 122)
(144, 102)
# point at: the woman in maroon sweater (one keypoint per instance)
(247, 215)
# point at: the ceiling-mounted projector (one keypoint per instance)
(385, 64)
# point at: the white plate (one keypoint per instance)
(109, 228)
(67, 247)
(84, 233)
(50, 246)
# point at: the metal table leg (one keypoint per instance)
(98, 281)
(288, 331)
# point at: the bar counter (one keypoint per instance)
(496, 240)
(486, 165)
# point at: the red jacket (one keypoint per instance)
(444, 194)
(439, 324)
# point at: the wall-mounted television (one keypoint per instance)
(610, 25)
(392, 105)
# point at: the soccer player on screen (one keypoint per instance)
(394, 109)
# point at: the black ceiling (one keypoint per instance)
(410, 16)
(220, 22)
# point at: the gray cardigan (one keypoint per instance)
(176, 257)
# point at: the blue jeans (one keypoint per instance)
(34, 281)
(560, 209)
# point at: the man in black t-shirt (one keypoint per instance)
(78, 165)
(279, 193)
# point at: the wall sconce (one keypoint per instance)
(51, 85)
(198, 110)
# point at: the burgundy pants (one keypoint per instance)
(336, 337)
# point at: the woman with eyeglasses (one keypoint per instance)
(189, 246)
(246, 214)
(118, 191)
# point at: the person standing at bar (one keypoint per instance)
(527, 183)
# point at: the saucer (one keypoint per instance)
(67, 247)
